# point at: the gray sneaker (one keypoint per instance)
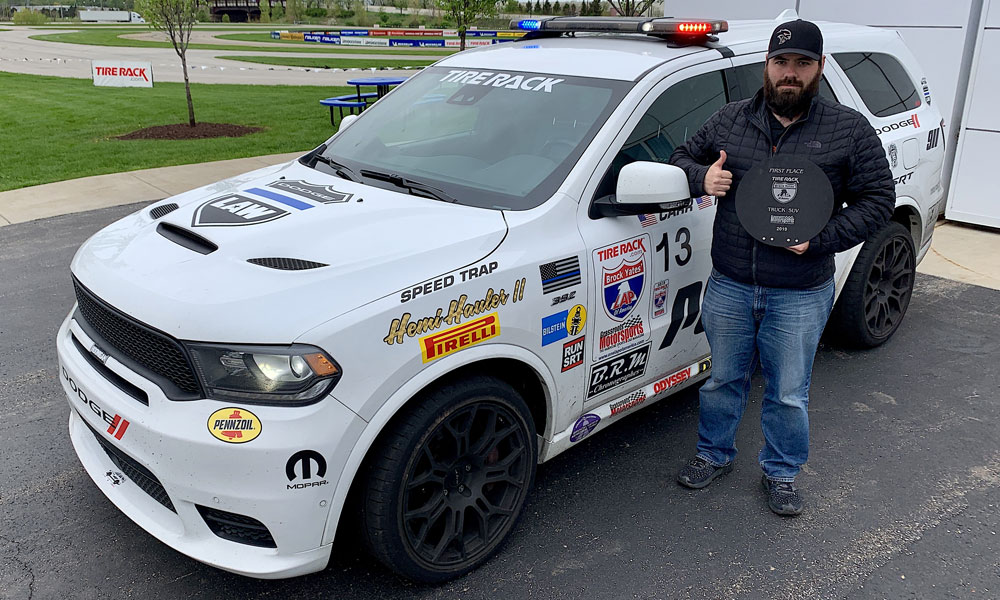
(782, 497)
(699, 473)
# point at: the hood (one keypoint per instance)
(187, 273)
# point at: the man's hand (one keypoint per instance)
(718, 180)
(800, 248)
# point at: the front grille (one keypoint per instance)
(118, 381)
(140, 475)
(237, 528)
(286, 264)
(162, 210)
(149, 348)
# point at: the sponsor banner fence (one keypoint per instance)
(275, 35)
(329, 39)
(311, 37)
(348, 41)
(478, 33)
(468, 43)
(116, 73)
(417, 43)
(354, 32)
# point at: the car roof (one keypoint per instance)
(627, 57)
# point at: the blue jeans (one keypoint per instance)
(780, 328)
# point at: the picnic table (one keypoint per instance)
(360, 100)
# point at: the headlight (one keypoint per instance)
(276, 375)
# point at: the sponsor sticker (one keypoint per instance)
(631, 401)
(621, 270)
(115, 73)
(576, 319)
(560, 274)
(459, 337)
(457, 312)
(115, 477)
(554, 327)
(660, 298)
(617, 370)
(305, 468)
(572, 354)
(234, 425)
(234, 210)
(584, 426)
(320, 193)
(674, 379)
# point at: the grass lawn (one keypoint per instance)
(59, 128)
(109, 37)
(330, 63)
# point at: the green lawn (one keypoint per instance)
(109, 37)
(63, 127)
(329, 63)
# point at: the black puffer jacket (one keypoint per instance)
(838, 139)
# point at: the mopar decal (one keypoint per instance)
(235, 209)
(320, 193)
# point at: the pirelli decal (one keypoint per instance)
(459, 337)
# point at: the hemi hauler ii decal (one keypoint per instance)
(622, 272)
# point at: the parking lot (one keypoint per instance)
(901, 487)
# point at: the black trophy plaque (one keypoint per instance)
(784, 201)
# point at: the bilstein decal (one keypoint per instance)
(234, 210)
(504, 80)
(234, 425)
(457, 312)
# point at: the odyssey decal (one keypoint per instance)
(234, 210)
(572, 354)
(320, 193)
(405, 326)
(504, 80)
(234, 425)
(427, 287)
(560, 274)
(459, 337)
(618, 370)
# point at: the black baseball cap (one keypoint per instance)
(796, 37)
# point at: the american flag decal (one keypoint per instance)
(705, 202)
(560, 274)
(647, 220)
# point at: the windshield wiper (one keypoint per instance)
(316, 156)
(415, 188)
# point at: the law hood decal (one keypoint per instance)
(374, 242)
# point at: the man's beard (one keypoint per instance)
(790, 103)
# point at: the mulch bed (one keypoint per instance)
(183, 131)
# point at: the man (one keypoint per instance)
(766, 303)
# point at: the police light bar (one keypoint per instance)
(666, 26)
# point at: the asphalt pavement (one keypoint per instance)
(902, 488)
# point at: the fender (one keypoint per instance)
(410, 389)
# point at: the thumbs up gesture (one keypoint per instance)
(718, 180)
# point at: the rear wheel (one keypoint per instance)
(450, 479)
(878, 290)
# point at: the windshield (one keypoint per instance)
(491, 139)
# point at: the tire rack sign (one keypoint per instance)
(117, 73)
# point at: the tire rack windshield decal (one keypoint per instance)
(622, 404)
(505, 80)
(622, 272)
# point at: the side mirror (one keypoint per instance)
(645, 187)
(346, 121)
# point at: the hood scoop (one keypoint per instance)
(188, 239)
(162, 210)
(286, 264)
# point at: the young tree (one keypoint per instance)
(546, 8)
(468, 11)
(538, 7)
(597, 8)
(177, 19)
(556, 8)
(631, 8)
(265, 10)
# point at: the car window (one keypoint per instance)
(881, 82)
(490, 139)
(669, 122)
(750, 78)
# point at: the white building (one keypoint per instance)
(956, 42)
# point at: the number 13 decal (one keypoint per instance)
(683, 237)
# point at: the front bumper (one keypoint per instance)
(168, 443)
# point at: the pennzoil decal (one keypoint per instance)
(320, 193)
(234, 425)
(457, 312)
(235, 210)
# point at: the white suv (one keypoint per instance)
(489, 265)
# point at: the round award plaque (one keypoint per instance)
(784, 201)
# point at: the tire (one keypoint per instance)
(449, 480)
(878, 290)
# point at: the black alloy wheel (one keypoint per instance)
(878, 289)
(451, 481)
